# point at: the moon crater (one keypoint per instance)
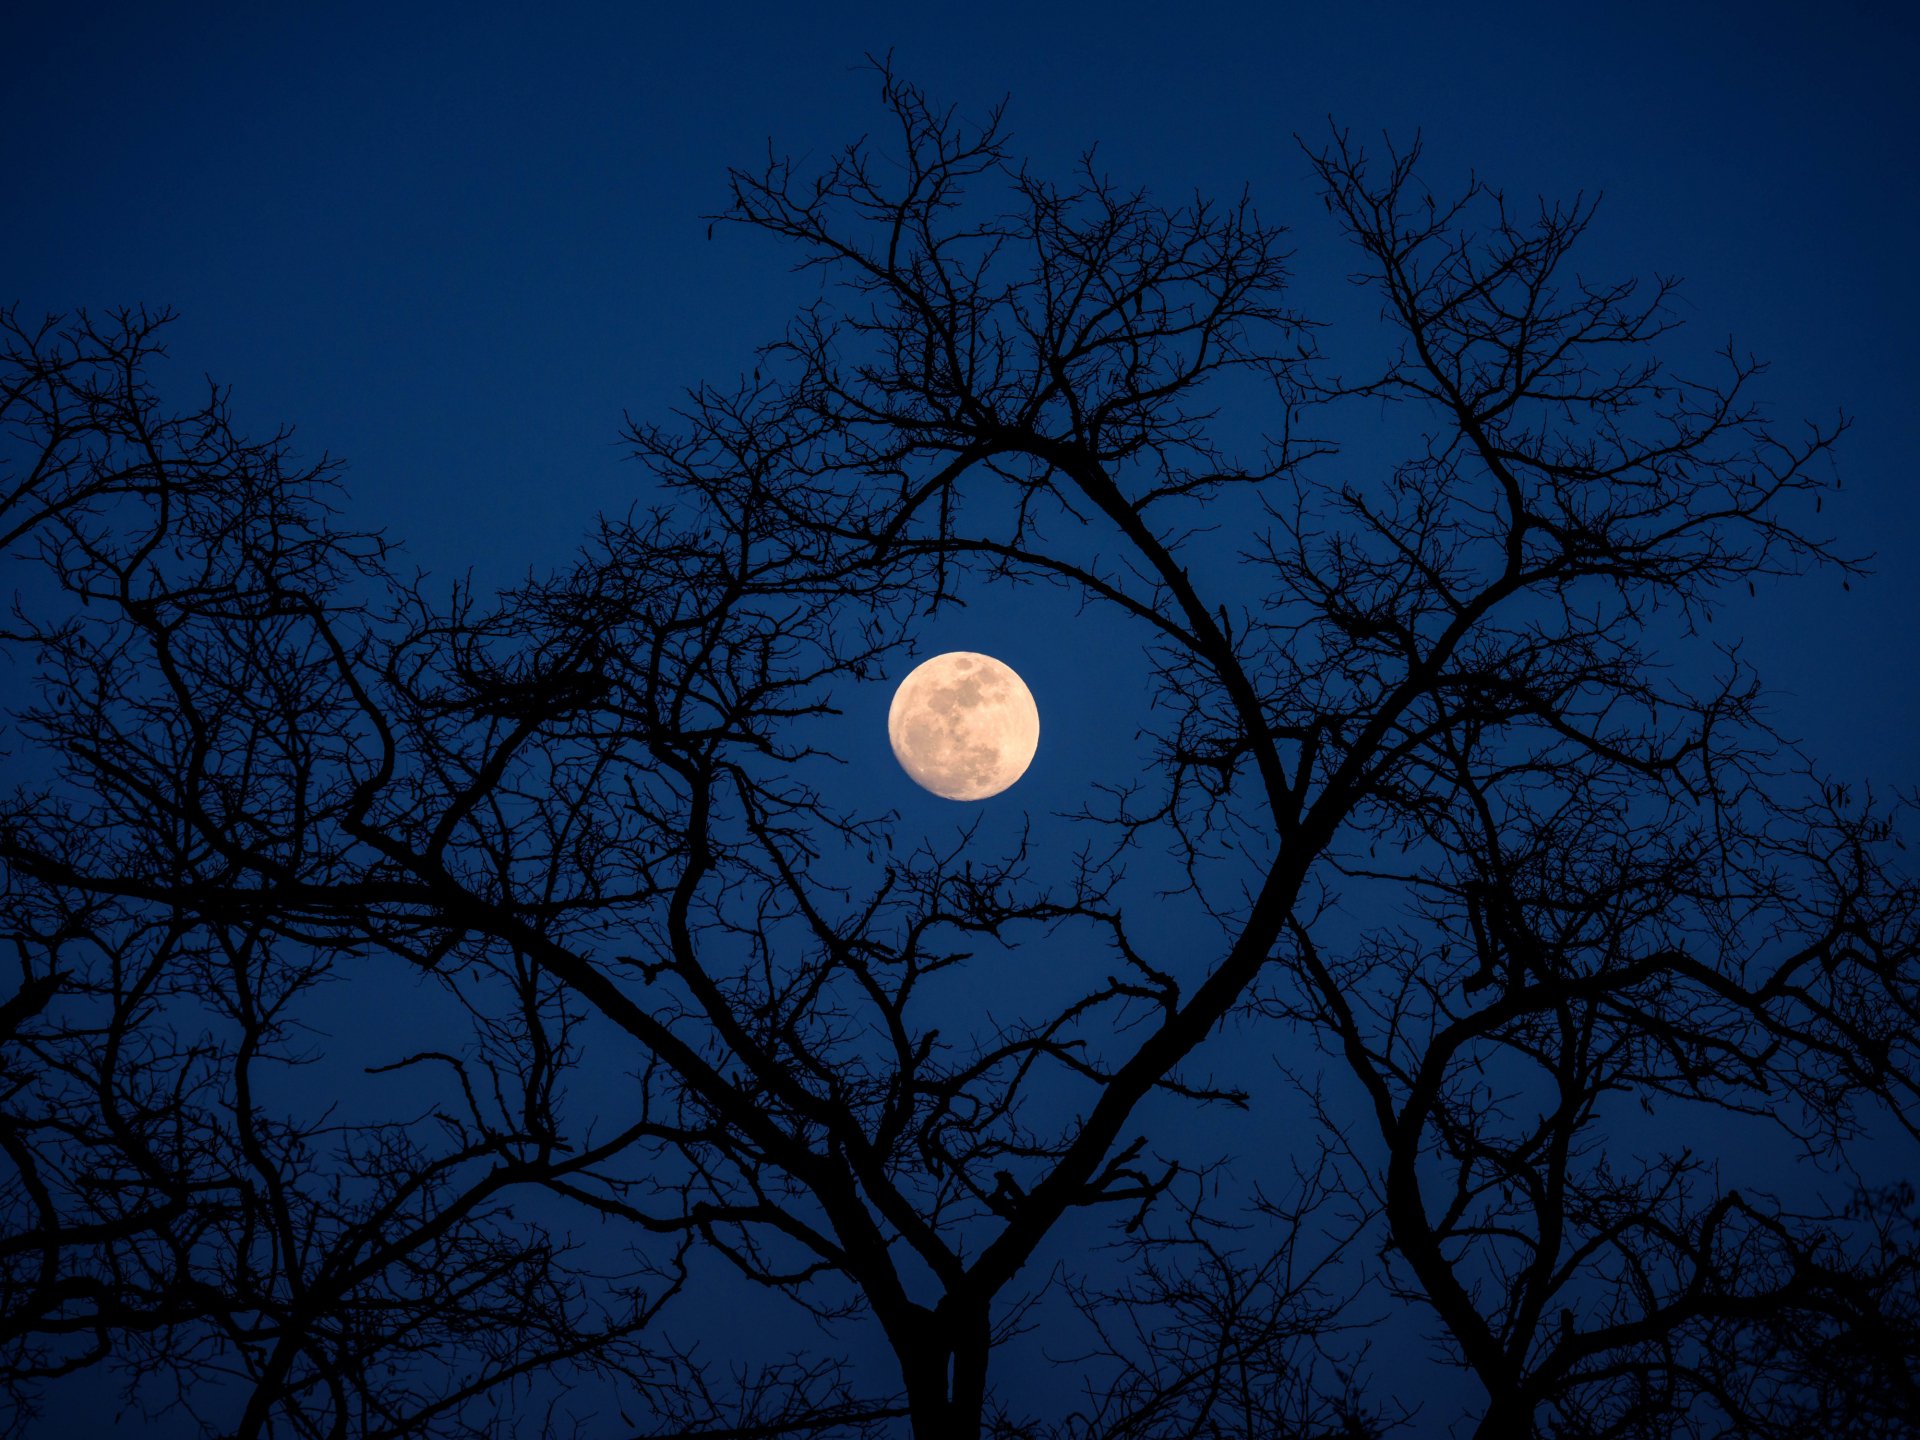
(963, 725)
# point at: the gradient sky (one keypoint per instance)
(452, 246)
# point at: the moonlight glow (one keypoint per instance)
(963, 725)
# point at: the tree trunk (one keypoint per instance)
(1508, 1417)
(946, 1380)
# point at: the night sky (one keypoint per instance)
(454, 246)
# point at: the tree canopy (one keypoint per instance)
(1499, 886)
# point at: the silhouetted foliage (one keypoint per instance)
(1455, 846)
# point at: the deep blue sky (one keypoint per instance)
(453, 246)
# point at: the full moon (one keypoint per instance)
(963, 725)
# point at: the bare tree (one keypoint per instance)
(581, 820)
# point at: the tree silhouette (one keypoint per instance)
(1449, 829)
